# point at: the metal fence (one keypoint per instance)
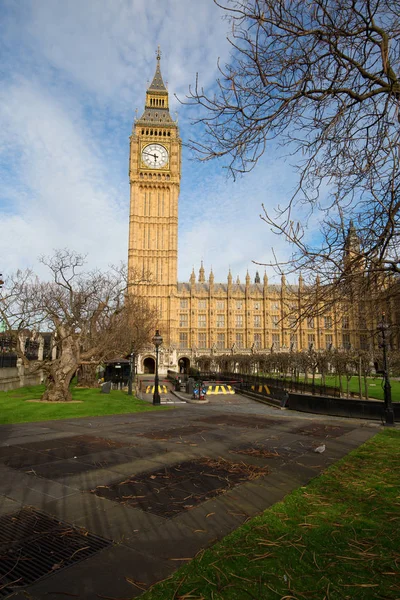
(8, 360)
(247, 382)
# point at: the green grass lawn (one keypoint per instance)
(14, 407)
(375, 389)
(336, 539)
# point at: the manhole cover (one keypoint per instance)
(322, 431)
(241, 421)
(171, 490)
(34, 545)
(166, 434)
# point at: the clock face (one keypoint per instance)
(155, 156)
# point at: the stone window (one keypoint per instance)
(220, 320)
(364, 342)
(239, 340)
(184, 303)
(362, 322)
(202, 340)
(275, 321)
(202, 321)
(276, 341)
(328, 341)
(257, 340)
(310, 322)
(239, 320)
(221, 341)
(220, 305)
(293, 341)
(183, 339)
(346, 341)
(257, 320)
(311, 340)
(183, 320)
(256, 306)
(202, 304)
(345, 322)
(328, 322)
(239, 305)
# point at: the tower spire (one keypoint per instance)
(156, 110)
(157, 85)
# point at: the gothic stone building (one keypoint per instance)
(202, 316)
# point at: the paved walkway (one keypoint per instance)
(52, 466)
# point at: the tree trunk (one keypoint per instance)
(366, 386)
(87, 376)
(58, 380)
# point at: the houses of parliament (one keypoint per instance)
(202, 316)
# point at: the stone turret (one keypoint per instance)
(229, 283)
(257, 278)
(353, 260)
(202, 276)
(192, 278)
(247, 279)
(211, 283)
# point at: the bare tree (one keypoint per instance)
(321, 78)
(89, 315)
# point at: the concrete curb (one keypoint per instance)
(262, 399)
(188, 400)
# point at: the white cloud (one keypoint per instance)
(74, 73)
(67, 200)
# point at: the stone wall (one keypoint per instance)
(13, 378)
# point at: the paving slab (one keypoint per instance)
(148, 547)
(118, 522)
(172, 541)
(214, 518)
(253, 498)
(117, 572)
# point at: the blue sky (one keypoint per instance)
(72, 74)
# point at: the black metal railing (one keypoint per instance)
(246, 382)
(8, 360)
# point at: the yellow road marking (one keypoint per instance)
(261, 388)
(162, 389)
(219, 389)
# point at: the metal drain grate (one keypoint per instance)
(33, 545)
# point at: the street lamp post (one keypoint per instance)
(157, 341)
(387, 388)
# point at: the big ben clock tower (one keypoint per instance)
(154, 174)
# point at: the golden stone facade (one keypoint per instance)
(202, 316)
